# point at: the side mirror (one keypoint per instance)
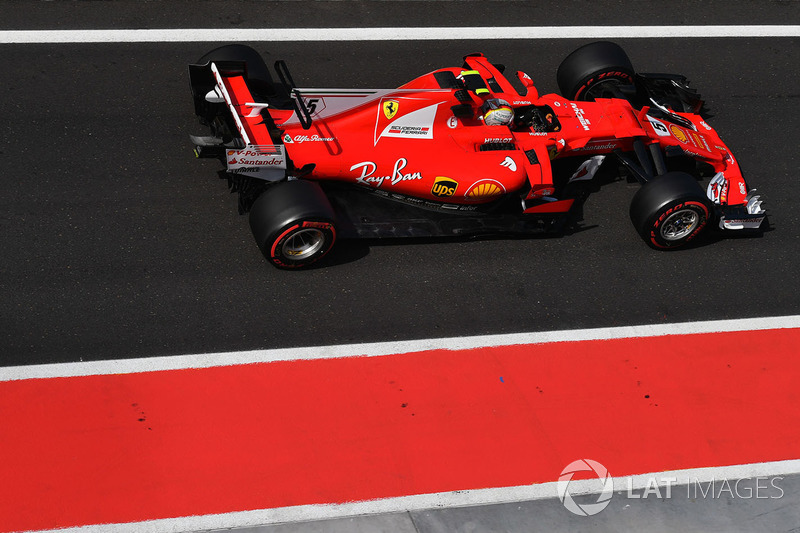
(530, 90)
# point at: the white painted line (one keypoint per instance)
(684, 479)
(206, 360)
(389, 34)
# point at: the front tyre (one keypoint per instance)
(293, 224)
(596, 70)
(669, 211)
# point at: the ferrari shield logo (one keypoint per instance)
(390, 108)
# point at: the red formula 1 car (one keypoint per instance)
(461, 151)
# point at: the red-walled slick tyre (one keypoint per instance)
(258, 76)
(594, 71)
(670, 210)
(293, 224)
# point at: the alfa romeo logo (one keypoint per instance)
(603, 499)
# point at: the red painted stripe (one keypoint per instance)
(122, 448)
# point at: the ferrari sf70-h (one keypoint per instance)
(462, 151)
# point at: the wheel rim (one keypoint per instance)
(303, 244)
(608, 88)
(680, 224)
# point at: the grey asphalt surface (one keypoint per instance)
(693, 507)
(115, 242)
(118, 243)
(25, 15)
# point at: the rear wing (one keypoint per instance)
(210, 78)
(241, 136)
(225, 84)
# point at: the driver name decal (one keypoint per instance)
(579, 115)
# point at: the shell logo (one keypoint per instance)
(485, 189)
(678, 134)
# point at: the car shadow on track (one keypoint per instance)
(351, 250)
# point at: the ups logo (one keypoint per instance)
(444, 187)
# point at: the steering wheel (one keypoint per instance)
(538, 118)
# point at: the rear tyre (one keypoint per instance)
(596, 70)
(258, 77)
(293, 224)
(670, 210)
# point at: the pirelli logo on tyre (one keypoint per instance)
(443, 187)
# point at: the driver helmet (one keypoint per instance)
(497, 112)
